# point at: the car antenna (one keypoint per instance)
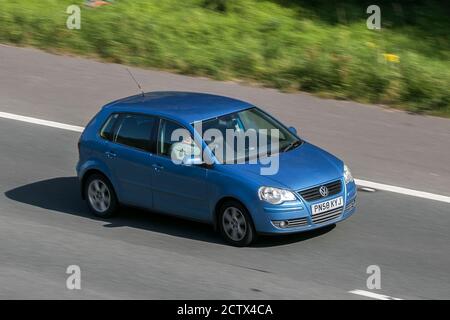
(134, 79)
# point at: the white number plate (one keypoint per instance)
(327, 205)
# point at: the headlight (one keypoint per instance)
(347, 175)
(275, 195)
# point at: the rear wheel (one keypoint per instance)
(100, 196)
(235, 224)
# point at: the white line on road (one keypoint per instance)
(41, 122)
(362, 183)
(373, 295)
(366, 189)
(409, 192)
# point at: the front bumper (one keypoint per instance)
(297, 215)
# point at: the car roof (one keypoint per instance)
(183, 106)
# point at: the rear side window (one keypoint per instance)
(108, 128)
(134, 130)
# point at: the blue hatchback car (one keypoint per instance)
(127, 155)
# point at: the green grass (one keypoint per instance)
(292, 45)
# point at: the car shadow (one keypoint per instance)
(284, 239)
(62, 195)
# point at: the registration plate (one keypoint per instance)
(327, 205)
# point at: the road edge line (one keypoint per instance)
(41, 122)
(400, 190)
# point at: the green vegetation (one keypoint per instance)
(324, 48)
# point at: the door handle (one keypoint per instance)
(110, 154)
(157, 167)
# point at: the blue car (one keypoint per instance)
(128, 156)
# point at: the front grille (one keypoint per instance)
(313, 193)
(291, 223)
(326, 216)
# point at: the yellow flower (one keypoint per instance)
(391, 57)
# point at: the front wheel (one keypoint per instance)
(100, 196)
(235, 224)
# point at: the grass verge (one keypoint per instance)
(323, 48)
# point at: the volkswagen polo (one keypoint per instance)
(128, 156)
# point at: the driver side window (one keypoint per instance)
(175, 141)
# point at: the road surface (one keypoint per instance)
(45, 226)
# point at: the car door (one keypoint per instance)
(128, 157)
(177, 188)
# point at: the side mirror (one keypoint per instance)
(293, 130)
(192, 161)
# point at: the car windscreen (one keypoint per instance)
(244, 135)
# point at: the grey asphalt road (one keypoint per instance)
(45, 227)
(380, 145)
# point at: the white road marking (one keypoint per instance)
(367, 189)
(41, 122)
(362, 183)
(373, 295)
(409, 192)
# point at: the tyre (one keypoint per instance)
(100, 196)
(235, 224)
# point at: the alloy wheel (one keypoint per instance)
(99, 196)
(234, 224)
